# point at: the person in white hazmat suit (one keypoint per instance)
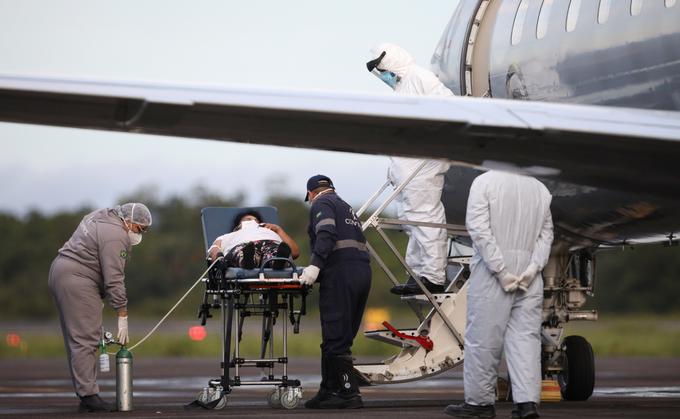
(420, 200)
(510, 224)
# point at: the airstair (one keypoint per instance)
(436, 345)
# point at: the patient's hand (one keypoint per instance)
(273, 227)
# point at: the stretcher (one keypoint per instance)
(238, 294)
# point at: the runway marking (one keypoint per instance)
(656, 392)
(189, 386)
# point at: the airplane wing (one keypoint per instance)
(622, 149)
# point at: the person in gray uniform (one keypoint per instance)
(89, 267)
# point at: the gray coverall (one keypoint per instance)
(510, 224)
(89, 267)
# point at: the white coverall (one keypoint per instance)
(509, 221)
(420, 200)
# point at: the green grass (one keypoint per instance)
(624, 335)
(631, 335)
(305, 344)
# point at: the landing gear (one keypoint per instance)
(577, 378)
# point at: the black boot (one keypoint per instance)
(470, 411)
(93, 403)
(283, 251)
(326, 388)
(347, 395)
(249, 256)
(524, 411)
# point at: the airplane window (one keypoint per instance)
(669, 3)
(543, 19)
(603, 11)
(572, 14)
(518, 26)
(635, 7)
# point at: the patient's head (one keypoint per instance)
(250, 215)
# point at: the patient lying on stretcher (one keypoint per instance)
(251, 242)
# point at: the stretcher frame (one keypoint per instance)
(241, 293)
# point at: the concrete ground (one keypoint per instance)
(625, 387)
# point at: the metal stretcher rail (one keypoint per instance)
(241, 293)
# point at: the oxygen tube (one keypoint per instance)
(124, 355)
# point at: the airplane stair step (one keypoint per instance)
(422, 299)
(388, 336)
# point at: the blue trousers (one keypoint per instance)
(343, 292)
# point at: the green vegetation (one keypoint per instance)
(160, 270)
(631, 335)
(638, 280)
(620, 335)
(170, 259)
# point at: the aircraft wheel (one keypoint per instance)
(274, 398)
(577, 379)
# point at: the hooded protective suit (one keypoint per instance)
(421, 199)
(509, 221)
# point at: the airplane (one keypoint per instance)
(583, 95)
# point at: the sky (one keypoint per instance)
(297, 44)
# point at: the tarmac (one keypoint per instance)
(625, 387)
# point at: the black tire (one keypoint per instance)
(578, 377)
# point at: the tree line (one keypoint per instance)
(172, 256)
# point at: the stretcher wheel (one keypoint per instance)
(211, 396)
(274, 398)
(222, 403)
(290, 397)
(577, 379)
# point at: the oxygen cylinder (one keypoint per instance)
(124, 380)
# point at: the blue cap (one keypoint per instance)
(318, 181)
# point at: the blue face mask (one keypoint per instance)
(389, 78)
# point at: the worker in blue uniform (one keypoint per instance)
(341, 264)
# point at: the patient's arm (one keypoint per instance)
(294, 249)
(215, 249)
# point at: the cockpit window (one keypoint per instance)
(603, 11)
(518, 26)
(543, 19)
(572, 14)
(636, 7)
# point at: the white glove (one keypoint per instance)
(528, 276)
(309, 275)
(509, 282)
(123, 329)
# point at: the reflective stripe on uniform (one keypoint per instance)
(347, 244)
(324, 222)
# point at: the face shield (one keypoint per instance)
(388, 77)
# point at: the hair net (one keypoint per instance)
(134, 212)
